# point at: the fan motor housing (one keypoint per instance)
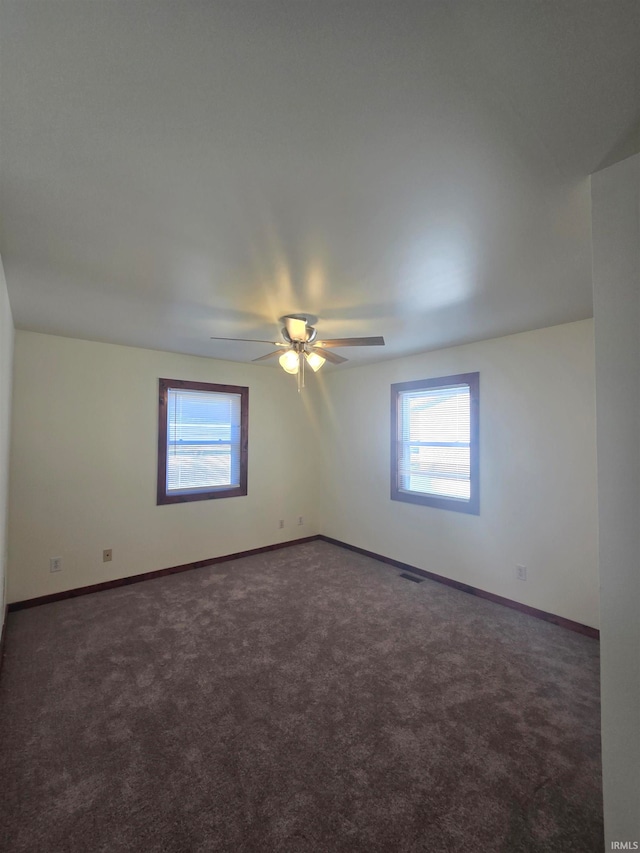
(310, 332)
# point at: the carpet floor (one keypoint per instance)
(307, 699)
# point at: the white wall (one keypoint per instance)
(537, 470)
(83, 465)
(616, 287)
(6, 361)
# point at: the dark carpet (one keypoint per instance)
(308, 699)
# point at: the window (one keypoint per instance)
(434, 442)
(202, 441)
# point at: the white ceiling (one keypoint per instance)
(418, 170)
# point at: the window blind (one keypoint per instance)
(203, 440)
(434, 427)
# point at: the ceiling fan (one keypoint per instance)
(301, 345)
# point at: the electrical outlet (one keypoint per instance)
(300, 520)
(55, 564)
(281, 523)
(521, 573)
(107, 555)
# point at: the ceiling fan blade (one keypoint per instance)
(268, 355)
(333, 357)
(252, 341)
(297, 328)
(353, 342)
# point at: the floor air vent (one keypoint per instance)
(411, 578)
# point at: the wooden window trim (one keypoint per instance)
(164, 385)
(472, 506)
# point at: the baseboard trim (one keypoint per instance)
(2, 634)
(147, 576)
(578, 627)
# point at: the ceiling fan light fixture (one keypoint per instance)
(289, 361)
(314, 360)
(300, 346)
